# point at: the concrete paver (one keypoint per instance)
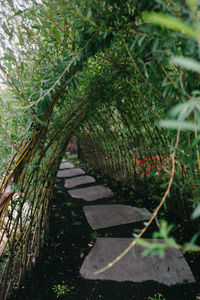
(70, 173)
(66, 165)
(172, 269)
(92, 193)
(76, 181)
(102, 216)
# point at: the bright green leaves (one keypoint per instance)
(191, 108)
(181, 112)
(196, 212)
(186, 63)
(193, 4)
(171, 124)
(188, 109)
(172, 23)
(156, 247)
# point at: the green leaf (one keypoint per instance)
(186, 63)
(8, 57)
(194, 238)
(196, 212)
(70, 204)
(19, 12)
(172, 124)
(195, 141)
(15, 81)
(184, 109)
(36, 26)
(40, 121)
(171, 23)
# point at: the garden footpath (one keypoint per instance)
(90, 228)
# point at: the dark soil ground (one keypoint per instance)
(70, 240)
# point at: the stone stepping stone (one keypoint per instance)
(73, 182)
(102, 216)
(66, 165)
(92, 193)
(70, 173)
(172, 269)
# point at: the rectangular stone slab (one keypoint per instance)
(172, 269)
(73, 182)
(92, 193)
(66, 165)
(102, 216)
(70, 173)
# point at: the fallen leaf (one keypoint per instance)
(82, 255)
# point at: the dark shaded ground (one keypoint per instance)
(70, 240)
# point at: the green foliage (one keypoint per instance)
(157, 247)
(156, 297)
(77, 223)
(187, 114)
(186, 63)
(61, 289)
(172, 23)
(70, 204)
(73, 214)
(94, 235)
(196, 212)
